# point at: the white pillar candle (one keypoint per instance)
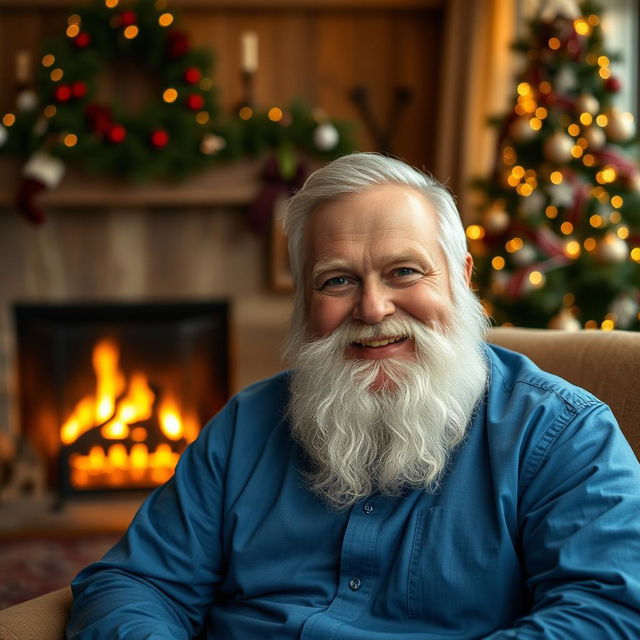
(249, 51)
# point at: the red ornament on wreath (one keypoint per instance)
(99, 118)
(117, 134)
(195, 102)
(63, 93)
(82, 40)
(127, 18)
(79, 89)
(177, 44)
(159, 138)
(192, 75)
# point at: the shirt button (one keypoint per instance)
(368, 507)
(355, 584)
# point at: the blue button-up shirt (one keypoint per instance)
(534, 533)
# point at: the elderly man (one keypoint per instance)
(403, 480)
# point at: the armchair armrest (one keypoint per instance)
(43, 618)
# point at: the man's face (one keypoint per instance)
(371, 257)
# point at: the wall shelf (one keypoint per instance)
(223, 185)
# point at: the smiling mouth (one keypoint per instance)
(380, 342)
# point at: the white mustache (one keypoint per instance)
(392, 327)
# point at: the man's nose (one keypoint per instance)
(374, 303)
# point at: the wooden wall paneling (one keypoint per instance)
(13, 260)
(169, 258)
(207, 263)
(13, 257)
(126, 253)
(419, 52)
(82, 239)
(295, 47)
(45, 272)
(178, 268)
(244, 269)
(375, 65)
(335, 67)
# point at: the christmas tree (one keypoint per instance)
(557, 242)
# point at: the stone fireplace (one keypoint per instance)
(128, 247)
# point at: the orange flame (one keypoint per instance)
(118, 464)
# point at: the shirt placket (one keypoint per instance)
(358, 575)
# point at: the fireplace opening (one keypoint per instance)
(110, 395)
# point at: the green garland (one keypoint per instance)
(177, 133)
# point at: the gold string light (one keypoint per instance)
(608, 324)
(586, 118)
(170, 95)
(513, 245)
(202, 117)
(617, 201)
(572, 249)
(596, 221)
(536, 278)
(582, 27)
(275, 114)
(475, 232)
(615, 217)
(245, 113)
(498, 262)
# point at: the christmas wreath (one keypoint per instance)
(179, 128)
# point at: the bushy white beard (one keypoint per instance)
(361, 438)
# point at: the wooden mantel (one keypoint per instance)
(235, 184)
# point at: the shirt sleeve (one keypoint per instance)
(579, 519)
(160, 579)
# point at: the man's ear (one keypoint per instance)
(468, 269)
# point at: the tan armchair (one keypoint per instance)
(605, 363)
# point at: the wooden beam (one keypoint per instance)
(243, 5)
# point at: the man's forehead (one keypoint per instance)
(388, 208)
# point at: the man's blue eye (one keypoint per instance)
(338, 281)
(405, 271)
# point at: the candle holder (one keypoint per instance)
(248, 86)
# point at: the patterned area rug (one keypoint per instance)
(35, 566)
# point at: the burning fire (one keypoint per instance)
(122, 411)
